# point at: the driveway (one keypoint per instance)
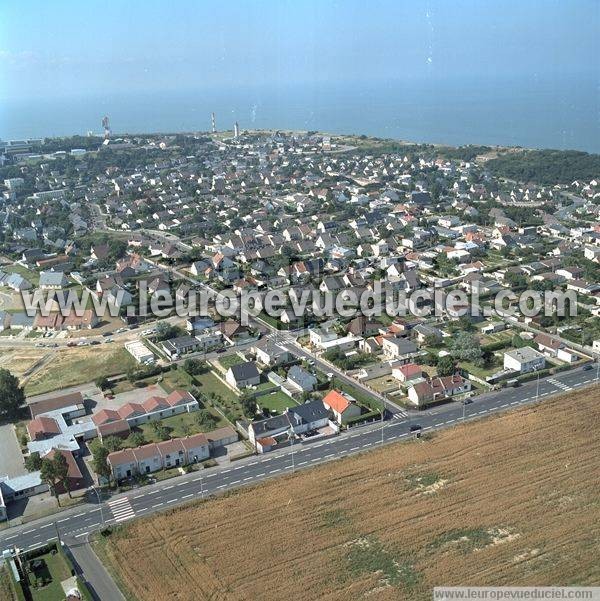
(11, 458)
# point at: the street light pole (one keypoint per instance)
(537, 390)
(291, 436)
(99, 505)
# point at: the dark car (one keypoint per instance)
(586, 367)
(415, 428)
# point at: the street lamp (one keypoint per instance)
(291, 437)
(383, 409)
(537, 390)
(99, 505)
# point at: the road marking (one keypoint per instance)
(121, 509)
(187, 496)
(172, 501)
(158, 505)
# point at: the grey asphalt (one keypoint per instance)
(90, 568)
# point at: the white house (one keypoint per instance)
(524, 360)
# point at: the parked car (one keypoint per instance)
(586, 367)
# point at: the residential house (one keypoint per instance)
(524, 360)
(437, 389)
(343, 406)
(243, 375)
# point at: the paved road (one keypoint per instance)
(76, 524)
(91, 569)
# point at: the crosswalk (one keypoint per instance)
(558, 384)
(121, 509)
(401, 414)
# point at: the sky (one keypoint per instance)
(68, 48)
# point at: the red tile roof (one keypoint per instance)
(105, 416)
(179, 397)
(131, 410)
(337, 401)
(155, 402)
(40, 427)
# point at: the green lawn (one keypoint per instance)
(29, 275)
(59, 570)
(275, 401)
(209, 383)
(266, 385)
(362, 397)
(180, 426)
(230, 360)
(481, 372)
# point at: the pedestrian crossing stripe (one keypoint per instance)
(121, 509)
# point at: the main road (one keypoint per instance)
(76, 524)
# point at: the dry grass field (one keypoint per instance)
(510, 500)
(78, 365)
(19, 360)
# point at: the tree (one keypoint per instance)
(194, 366)
(248, 404)
(446, 366)
(137, 439)
(112, 443)
(165, 331)
(466, 347)
(49, 476)
(206, 419)
(12, 396)
(102, 383)
(33, 462)
(61, 469)
(99, 462)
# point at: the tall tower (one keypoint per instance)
(236, 130)
(214, 123)
(106, 127)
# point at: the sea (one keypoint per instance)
(561, 112)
